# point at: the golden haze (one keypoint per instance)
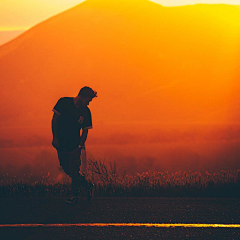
(153, 67)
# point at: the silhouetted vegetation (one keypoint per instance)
(148, 184)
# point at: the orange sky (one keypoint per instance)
(194, 60)
(169, 81)
(19, 15)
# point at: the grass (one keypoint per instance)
(108, 183)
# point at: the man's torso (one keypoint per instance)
(70, 122)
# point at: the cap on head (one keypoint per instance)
(87, 92)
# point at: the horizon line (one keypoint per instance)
(25, 28)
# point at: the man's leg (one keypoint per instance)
(74, 168)
(74, 165)
(77, 178)
(63, 158)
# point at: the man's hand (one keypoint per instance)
(81, 147)
(83, 137)
(55, 143)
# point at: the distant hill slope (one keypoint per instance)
(6, 36)
(147, 62)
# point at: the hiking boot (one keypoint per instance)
(90, 191)
(72, 200)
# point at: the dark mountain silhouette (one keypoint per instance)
(148, 63)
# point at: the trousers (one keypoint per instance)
(70, 163)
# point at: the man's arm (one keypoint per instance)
(55, 141)
(83, 137)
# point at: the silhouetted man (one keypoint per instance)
(70, 116)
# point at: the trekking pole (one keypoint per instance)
(84, 161)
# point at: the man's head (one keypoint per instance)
(85, 96)
(87, 92)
